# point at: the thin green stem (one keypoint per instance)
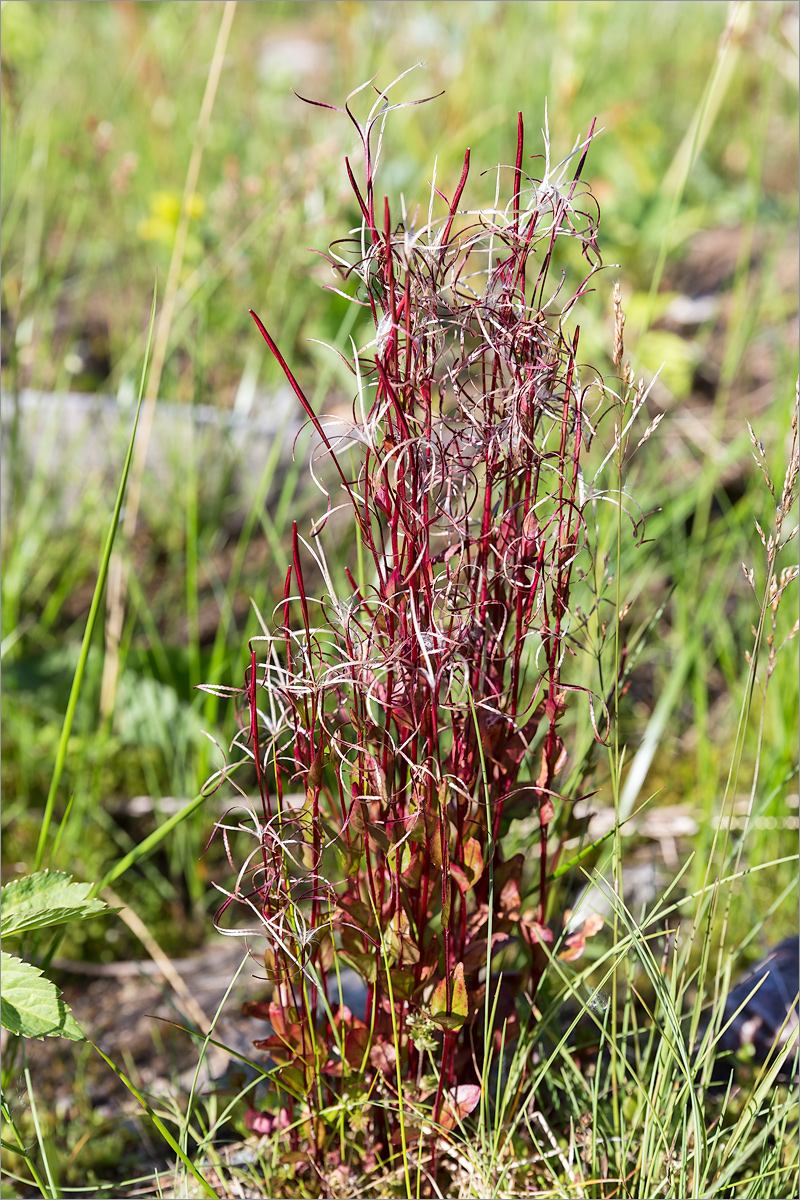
(77, 682)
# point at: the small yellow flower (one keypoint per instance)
(195, 206)
(156, 229)
(165, 206)
(165, 210)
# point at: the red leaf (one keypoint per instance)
(277, 1048)
(592, 925)
(383, 1057)
(355, 1044)
(464, 1098)
(259, 1122)
(460, 878)
(342, 1016)
(256, 1008)
(577, 945)
(540, 933)
(546, 812)
(266, 1122)
(544, 772)
(459, 1102)
(278, 1018)
(509, 899)
(576, 942)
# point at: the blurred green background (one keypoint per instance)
(695, 172)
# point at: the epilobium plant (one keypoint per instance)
(395, 730)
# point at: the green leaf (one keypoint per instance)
(30, 1004)
(437, 857)
(362, 964)
(446, 1020)
(358, 912)
(454, 1016)
(446, 901)
(473, 859)
(45, 898)
(403, 981)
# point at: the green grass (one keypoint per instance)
(697, 140)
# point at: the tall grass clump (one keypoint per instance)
(397, 718)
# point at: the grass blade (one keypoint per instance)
(91, 621)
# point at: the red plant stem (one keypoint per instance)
(299, 575)
(369, 179)
(456, 197)
(359, 197)
(518, 172)
(287, 591)
(262, 787)
(298, 391)
(582, 160)
(469, 554)
(443, 1074)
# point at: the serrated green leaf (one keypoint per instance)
(31, 1004)
(45, 898)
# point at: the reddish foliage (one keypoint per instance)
(408, 714)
